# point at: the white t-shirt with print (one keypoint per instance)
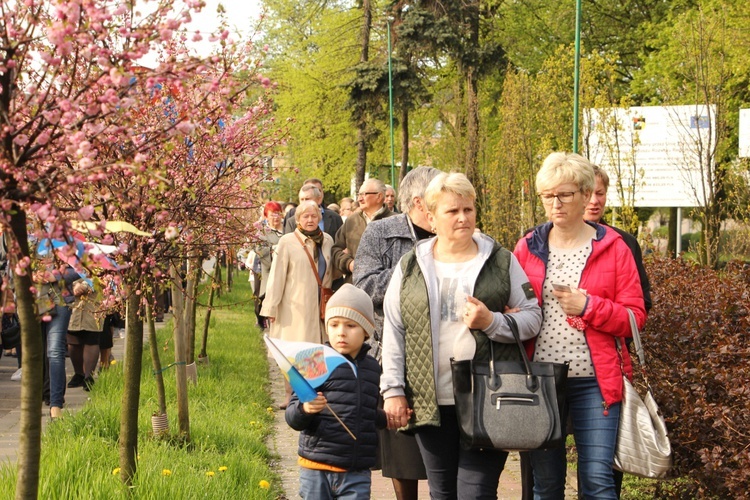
(455, 283)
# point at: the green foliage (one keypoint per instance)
(314, 48)
(534, 30)
(230, 423)
(634, 53)
(530, 111)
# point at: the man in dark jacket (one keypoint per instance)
(372, 207)
(594, 213)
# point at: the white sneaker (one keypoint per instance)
(16, 375)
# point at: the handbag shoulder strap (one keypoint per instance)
(637, 339)
(309, 257)
(638, 345)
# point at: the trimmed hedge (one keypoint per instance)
(697, 343)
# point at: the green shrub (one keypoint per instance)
(690, 241)
(661, 232)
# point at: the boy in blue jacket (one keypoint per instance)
(332, 463)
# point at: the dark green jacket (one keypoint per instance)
(492, 288)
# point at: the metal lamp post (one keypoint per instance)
(576, 75)
(389, 19)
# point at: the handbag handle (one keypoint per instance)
(531, 381)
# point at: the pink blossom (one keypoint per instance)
(21, 139)
(86, 212)
(43, 138)
(185, 127)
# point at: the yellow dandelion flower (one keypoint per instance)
(115, 471)
(166, 472)
(113, 362)
(264, 484)
(223, 468)
(210, 473)
(253, 422)
(269, 409)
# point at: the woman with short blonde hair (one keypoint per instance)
(446, 299)
(454, 182)
(585, 279)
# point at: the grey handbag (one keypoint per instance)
(509, 405)
(643, 447)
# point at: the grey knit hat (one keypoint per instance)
(352, 303)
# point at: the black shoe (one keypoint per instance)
(76, 381)
(88, 383)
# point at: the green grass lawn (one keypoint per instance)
(230, 420)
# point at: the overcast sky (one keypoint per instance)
(241, 14)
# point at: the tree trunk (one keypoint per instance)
(183, 415)
(361, 120)
(131, 388)
(29, 442)
(709, 242)
(204, 341)
(230, 269)
(217, 277)
(404, 145)
(472, 101)
(156, 360)
(191, 288)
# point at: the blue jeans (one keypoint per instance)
(55, 332)
(452, 471)
(595, 435)
(322, 485)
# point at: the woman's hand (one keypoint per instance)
(476, 314)
(80, 288)
(398, 411)
(270, 319)
(43, 277)
(316, 405)
(572, 302)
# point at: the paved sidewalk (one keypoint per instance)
(284, 444)
(10, 401)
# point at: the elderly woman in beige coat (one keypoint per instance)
(292, 298)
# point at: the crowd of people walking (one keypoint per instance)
(440, 290)
(73, 324)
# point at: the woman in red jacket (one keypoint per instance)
(586, 280)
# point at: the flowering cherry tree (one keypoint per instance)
(87, 132)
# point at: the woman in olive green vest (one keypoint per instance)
(445, 300)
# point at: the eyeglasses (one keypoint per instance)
(366, 193)
(564, 197)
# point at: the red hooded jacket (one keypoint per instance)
(611, 280)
